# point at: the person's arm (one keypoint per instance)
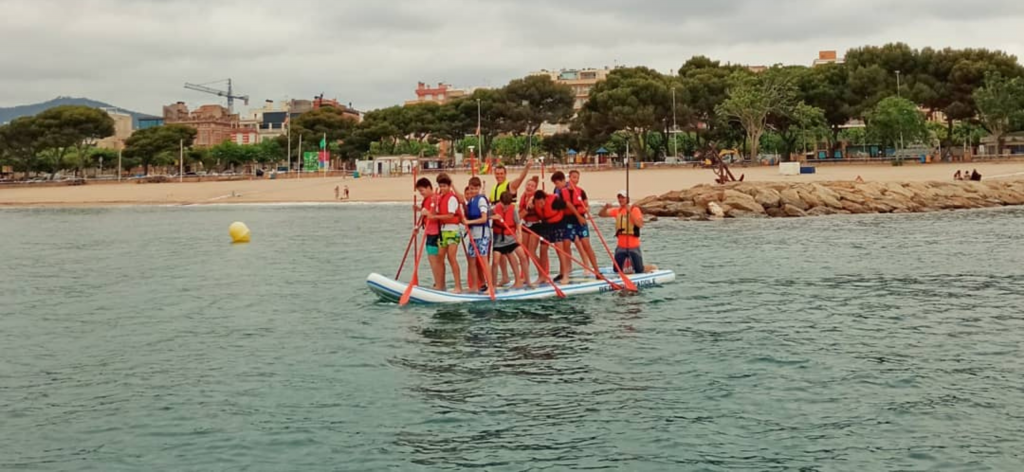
(606, 211)
(478, 221)
(513, 186)
(637, 216)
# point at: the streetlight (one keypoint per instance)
(899, 95)
(675, 127)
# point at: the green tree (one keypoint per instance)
(532, 101)
(897, 120)
(71, 127)
(22, 142)
(1000, 105)
(706, 85)
(753, 98)
(159, 145)
(633, 100)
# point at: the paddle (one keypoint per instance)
(415, 227)
(415, 274)
(543, 273)
(625, 280)
(569, 255)
(483, 264)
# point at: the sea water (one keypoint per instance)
(141, 339)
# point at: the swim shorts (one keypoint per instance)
(432, 244)
(480, 246)
(506, 250)
(582, 230)
(449, 238)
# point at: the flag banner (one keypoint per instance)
(310, 161)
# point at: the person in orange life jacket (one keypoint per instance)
(478, 221)
(628, 222)
(528, 217)
(583, 229)
(551, 210)
(432, 231)
(506, 229)
(572, 217)
(448, 214)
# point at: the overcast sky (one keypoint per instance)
(138, 53)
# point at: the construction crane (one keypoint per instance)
(229, 94)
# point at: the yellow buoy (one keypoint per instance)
(239, 232)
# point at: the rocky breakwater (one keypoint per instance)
(784, 199)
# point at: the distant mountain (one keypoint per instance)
(8, 114)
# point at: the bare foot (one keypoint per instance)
(457, 291)
(517, 287)
(504, 282)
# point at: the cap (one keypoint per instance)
(623, 193)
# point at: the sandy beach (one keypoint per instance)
(601, 185)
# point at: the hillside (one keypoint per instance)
(8, 114)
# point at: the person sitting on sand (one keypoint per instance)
(628, 222)
(975, 176)
(958, 176)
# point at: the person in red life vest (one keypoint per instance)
(448, 214)
(432, 231)
(583, 229)
(551, 210)
(478, 221)
(528, 217)
(506, 230)
(628, 222)
(572, 218)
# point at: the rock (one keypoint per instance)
(821, 211)
(656, 208)
(852, 196)
(703, 199)
(872, 190)
(824, 192)
(738, 213)
(877, 206)
(685, 209)
(791, 197)
(792, 211)
(854, 208)
(895, 188)
(775, 212)
(810, 198)
(767, 198)
(714, 209)
(677, 196)
(741, 201)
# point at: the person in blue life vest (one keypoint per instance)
(478, 222)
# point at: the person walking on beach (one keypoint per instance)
(337, 192)
(346, 192)
(628, 222)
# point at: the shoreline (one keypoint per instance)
(601, 186)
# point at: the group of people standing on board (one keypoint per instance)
(501, 231)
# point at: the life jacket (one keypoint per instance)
(581, 207)
(442, 210)
(531, 212)
(499, 190)
(548, 213)
(473, 210)
(508, 215)
(624, 224)
(570, 196)
(431, 227)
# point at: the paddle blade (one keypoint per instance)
(415, 275)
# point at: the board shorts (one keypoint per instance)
(582, 231)
(505, 244)
(635, 257)
(479, 247)
(552, 232)
(449, 238)
(432, 244)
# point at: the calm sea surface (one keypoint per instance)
(140, 339)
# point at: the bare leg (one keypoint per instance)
(589, 248)
(437, 269)
(453, 261)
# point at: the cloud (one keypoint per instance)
(138, 53)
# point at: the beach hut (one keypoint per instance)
(573, 156)
(386, 166)
(602, 155)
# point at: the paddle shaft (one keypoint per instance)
(625, 280)
(483, 264)
(599, 275)
(415, 274)
(540, 269)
